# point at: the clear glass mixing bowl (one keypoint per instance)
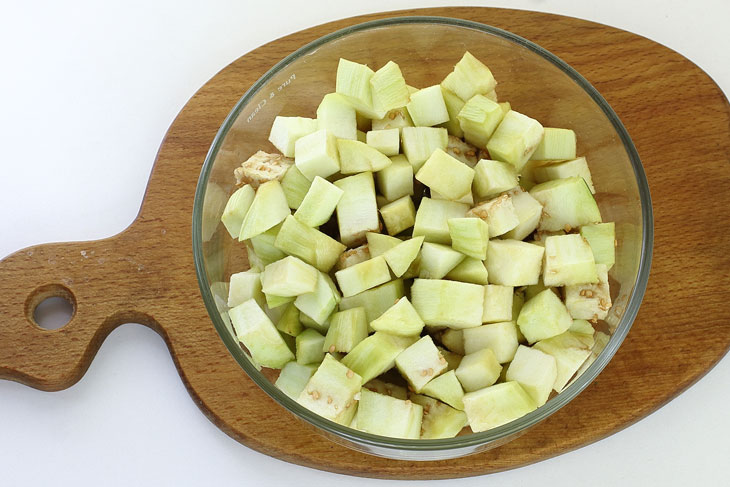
(533, 80)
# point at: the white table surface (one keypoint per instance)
(87, 91)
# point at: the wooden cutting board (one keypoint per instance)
(680, 122)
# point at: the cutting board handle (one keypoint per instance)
(100, 279)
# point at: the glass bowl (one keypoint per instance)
(533, 80)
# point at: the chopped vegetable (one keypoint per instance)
(431, 258)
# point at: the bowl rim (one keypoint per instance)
(475, 439)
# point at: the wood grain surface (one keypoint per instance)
(678, 119)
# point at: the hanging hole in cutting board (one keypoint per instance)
(51, 307)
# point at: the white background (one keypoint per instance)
(87, 91)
